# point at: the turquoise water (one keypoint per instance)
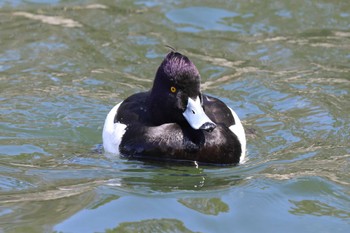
(283, 66)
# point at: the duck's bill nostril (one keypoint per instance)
(196, 117)
(208, 126)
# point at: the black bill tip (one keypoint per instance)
(208, 126)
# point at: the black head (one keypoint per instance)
(177, 80)
(178, 71)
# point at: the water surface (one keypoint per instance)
(283, 66)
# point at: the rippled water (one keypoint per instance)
(283, 66)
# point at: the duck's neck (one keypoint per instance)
(160, 112)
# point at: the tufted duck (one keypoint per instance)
(175, 121)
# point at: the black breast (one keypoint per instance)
(179, 142)
(170, 141)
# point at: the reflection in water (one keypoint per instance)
(49, 19)
(201, 18)
(208, 206)
(155, 177)
(151, 225)
(317, 208)
(39, 215)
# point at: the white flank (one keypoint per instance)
(238, 129)
(112, 132)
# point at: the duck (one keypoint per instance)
(175, 121)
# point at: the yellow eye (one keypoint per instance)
(173, 89)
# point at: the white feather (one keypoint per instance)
(238, 129)
(112, 132)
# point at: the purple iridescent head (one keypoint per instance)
(176, 96)
(178, 71)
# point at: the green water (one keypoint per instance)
(282, 65)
